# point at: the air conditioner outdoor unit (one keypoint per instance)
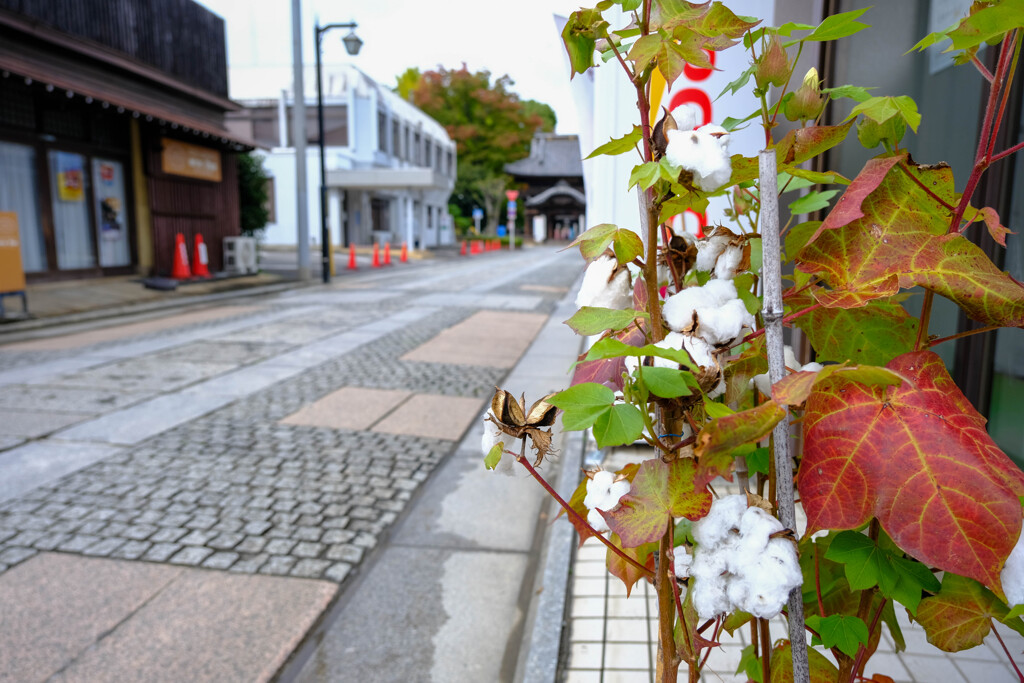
(240, 255)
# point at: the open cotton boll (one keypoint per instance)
(494, 436)
(770, 578)
(724, 324)
(1012, 576)
(603, 493)
(728, 262)
(762, 382)
(700, 152)
(605, 285)
(720, 522)
(682, 563)
(709, 249)
(719, 134)
(700, 352)
(679, 308)
(687, 116)
(812, 367)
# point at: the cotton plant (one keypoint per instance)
(687, 358)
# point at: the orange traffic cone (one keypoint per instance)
(463, 251)
(180, 271)
(376, 256)
(404, 258)
(387, 253)
(200, 258)
(352, 257)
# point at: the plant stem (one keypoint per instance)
(788, 319)
(926, 313)
(575, 515)
(1015, 39)
(985, 73)
(668, 658)
(937, 198)
(773, 320)
(1006, 650)
(862, 650)
(817, 582)
(968, 333)
(766, 650)
(1007, 152)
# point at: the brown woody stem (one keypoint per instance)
(668, 658)
(960, 335)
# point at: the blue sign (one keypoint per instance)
(478, 213)
(502, 231)
(512, 207)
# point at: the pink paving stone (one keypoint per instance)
(490, 338)
(432, 416)
(208, 626)
(74, 341)
(348, 408)
(54, 606)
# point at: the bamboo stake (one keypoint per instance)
(773, 313)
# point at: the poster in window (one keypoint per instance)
(111, 223)
(70, 179)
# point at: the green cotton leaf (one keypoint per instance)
(644, 175)
(583, 404)
(842, 631)
(812, 201)
(660, 492)
(717, 410)
(881, 109)
(493, 456)
(667, 171)
(853, 92)
(744, 285)
(789, 183)
(988, 24)
(630, 5)
(627, 245)
(594, 320)
(594, 241)
(757, 460)
(669, 383)
(580, 36)
(908, 110)
(613, 348)
(930, 39)
(644, 50)
(622, 424)
(867, 564)
(750, 665)
(960, 616)
(871, 134)
(619, 145)
(838, 26)
(798, 235)
(738, 84)
(814, 177)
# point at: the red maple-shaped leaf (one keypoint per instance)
(901, 239)
(660, 492)
(917, 457)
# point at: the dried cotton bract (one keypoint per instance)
(739, 564)
(604, 489)
(606, 284)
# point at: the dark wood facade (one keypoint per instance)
(76, 78)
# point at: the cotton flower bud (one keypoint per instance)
(741, 202)
(807, 102)
(773, 67)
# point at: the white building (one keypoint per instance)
(390, 167)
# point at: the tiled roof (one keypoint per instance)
(550, 155)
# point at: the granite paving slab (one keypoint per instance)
(490, 338)
(348, 408)
(35, 463)
(53, 607)
(147, 375)
(236, 353)
(34, 424)
(43, 398)
(432, 416)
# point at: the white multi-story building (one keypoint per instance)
(390, 167)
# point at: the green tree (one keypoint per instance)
(252, 193)
(490, 125)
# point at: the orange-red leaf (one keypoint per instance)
(959, 617)
(720, 437)
(848, 208)
(626, 572)
(918, 458)
(660, 491)
(902, 237)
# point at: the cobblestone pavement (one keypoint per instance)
(233, 489)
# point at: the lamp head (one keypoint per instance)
(352, 43)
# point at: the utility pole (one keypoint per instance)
(299, 142)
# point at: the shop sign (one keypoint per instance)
(70, 185)
(191, 161)
(12, 275)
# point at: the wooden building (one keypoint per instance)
(112, 134)
(554, 200)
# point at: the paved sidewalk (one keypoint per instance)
(192, 501)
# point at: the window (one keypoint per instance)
(335, 123)
(382, 131)
(426, 150)
(451, 170)
(406, 150)
(396, 139)
(416, 151)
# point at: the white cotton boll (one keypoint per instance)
(709, 249)
(603, 492)
(1012, 576)
(756, 527)
(771, 578)
(710, 598)
(724, 324)
(679, 308)
(762, 382)
(687, 116)
(605, 285)
(728, 262)
(720, 135)
(700, 152)
(493, 436)
(812, 367)
(700, 352)
(720, 291)
(719, 523)
(682, 563)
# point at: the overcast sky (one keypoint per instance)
(518, 39)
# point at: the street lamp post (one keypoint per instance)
(352, 45)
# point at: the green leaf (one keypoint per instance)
(821, 669)
(716, 410)
(853, 92)
(838, 26)
(960, 616)
(583, 404)
(627, 245)
(620, 425)
(881, 109)
(613, 348)
(738, 84)
(580, 36)
(669, 383)
(871, 134)
(838, 630)
(750, 665)
(744, 285)
(660, 492)
(645, 175)
(593, 320)
(757, 460)
(619, 145)
(493, 456)
(798, 235)
(812, 201)
(908, 110)
(988, 24)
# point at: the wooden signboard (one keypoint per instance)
(192, 161)
(12, 275)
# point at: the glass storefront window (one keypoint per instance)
(68, 188)
(111, 219)
(18, 193)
